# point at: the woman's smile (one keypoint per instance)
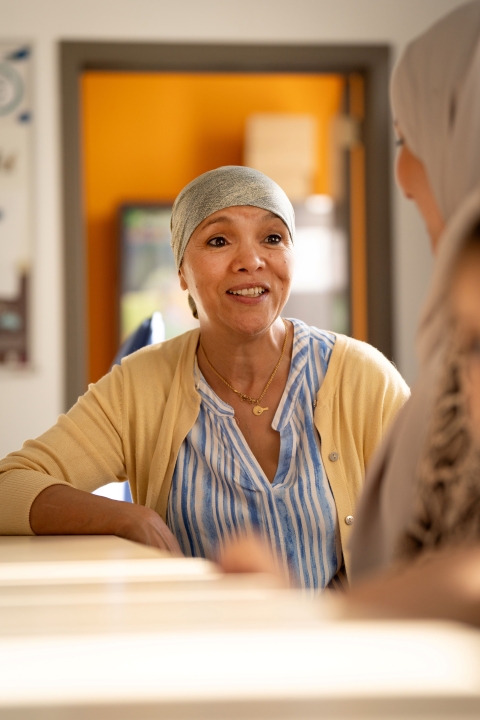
(248, 293)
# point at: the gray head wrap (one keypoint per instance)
(224, 187)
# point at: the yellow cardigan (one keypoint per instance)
(132, 423)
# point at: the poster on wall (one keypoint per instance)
(15, 202)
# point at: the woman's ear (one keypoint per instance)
(183, 283)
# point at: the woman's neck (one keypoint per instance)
(243, 360)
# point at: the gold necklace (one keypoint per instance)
(257, 409)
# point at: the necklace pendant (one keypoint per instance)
(257, 410)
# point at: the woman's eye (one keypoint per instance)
(470, 352)
(474, 349)
(469, 344)
(217, 242)
(274, 239)
(399, 141)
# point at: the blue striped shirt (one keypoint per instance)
(219, 489)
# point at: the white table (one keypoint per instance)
(103, 628)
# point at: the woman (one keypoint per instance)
(436, 105)
(218, 430)
(443, 583)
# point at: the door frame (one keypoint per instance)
(372, 61)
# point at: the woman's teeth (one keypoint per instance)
(249, 292)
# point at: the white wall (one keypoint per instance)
(30, 403)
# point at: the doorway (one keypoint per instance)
(175, 91)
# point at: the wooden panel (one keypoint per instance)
(358, 230)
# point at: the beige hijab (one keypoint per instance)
(436, 101)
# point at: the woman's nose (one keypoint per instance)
(248, 259)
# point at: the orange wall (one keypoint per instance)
(145, 136)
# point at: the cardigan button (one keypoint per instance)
(349, 520)
(333, 457)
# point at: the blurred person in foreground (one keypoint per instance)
(435, 95)
(443, 580)
(251, 423)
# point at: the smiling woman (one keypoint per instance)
(251, 424)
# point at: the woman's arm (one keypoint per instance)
(441, 584)
(83, 450)
(45, 488)
(63, 510)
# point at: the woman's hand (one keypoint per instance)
(145, 526)
(249, 554)
(63, 510)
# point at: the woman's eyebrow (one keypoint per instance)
(271, 216)
(213, 221)
(225, 218)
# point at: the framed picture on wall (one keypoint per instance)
(148, 276)
(16, 221)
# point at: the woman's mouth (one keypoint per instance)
(248, 292)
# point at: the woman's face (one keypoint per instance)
(466, 308)
(238, 268)
(413, 180)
